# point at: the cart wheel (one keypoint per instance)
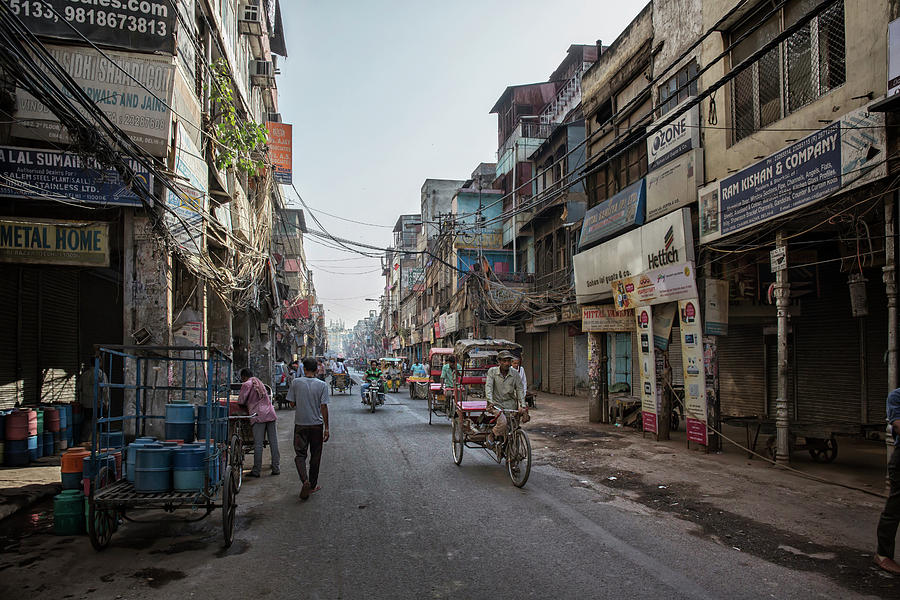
(412, 391)
(101, 524)
(229, 507)
(457, 440)
(824, 450)
(518, 461)
(430, 408)
(237, 461)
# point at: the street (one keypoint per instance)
(397, 519)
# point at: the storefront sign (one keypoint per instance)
(693, 370)
(53, 175)
(716, 309)
(662, 242)
(606, 318)
(142, 113)
(141, 25)
(570, 312)
(624, 210)
(41, 241)
(530, 327)
(893, 72)
(412, 279)
(280, 142)
(663, 319)
(187, 208)
(450, 323)
(656, 286)
(643, 318)
(846, 154)
(675, 184)
(676, 138)
(546, 320)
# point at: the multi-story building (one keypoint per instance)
(152, 230)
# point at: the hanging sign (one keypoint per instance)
(279, 140)
(693, 370)
(546, 320)
(676, 138)
(570, 312)
(644, 323)
(41, 241)
(674, 184)
(621, 211)
(656, 286)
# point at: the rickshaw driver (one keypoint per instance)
(393, 373)
(449, 374)
(372, 376)
(503, 390)
(339, 368)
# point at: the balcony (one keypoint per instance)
(518, 221)
(558, 281)
(567, 98)
(527, 136)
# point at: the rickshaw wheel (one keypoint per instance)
(412, 390)
(825, 450)
(229, 507)
(101, 523)
(237, 461)
(457, 440)
(430, 407)
(518, 461)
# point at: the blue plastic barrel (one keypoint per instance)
(188, 469)
(112, 439)
(47, 443)
(16, 453)
(153, 469)
(65, 416)
(220, 429)
(180, 422)
(130, 455)
(93, 465)
(34, 449)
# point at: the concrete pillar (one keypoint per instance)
(782, 303)
(597, 413)
(889, 276)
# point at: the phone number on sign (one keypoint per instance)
(90, 16)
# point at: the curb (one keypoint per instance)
(15, 500)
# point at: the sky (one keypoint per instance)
(385, 94)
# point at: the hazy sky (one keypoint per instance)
(385, 94)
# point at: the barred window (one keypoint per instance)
(677, 89)
(804, 67)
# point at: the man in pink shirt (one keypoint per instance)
(253, 395)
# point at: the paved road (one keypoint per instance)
(397, 519)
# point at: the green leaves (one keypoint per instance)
(241, 140)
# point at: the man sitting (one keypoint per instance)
(503, 390)
(339, 368)
(372, 376)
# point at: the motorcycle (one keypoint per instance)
(374, 396)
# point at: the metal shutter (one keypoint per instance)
(771, 342)
(29, 332)
(557, 339)
(9, 318)
(742, 375)
(675, 360)
(569, 371)
(542, 377)
(876, 348)
(59, 334)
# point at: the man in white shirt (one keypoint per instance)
(518, 368)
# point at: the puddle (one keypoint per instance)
(156, 578)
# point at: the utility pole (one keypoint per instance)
(782, 302)
(889, 276)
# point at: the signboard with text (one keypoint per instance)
(674, 184)
(187, 208)
(676, 138)
(620, 212)
(606, 319)
(643, 318)
(54, 175)
(693, 370)
(41, 241)
(143, 114)
(279, 141)
(144, 26)
(656, 286)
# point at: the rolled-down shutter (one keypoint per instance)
(569, 371)
(9, 318)
(59, 335)
(28, 335)
(557, 335)
(742, 372)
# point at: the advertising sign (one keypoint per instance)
(142, 113)
(53, 175)
(41, 241)
(676, 138)
(412, 278)
(716, 309)
(643, 319)
(893, 83)
(694, 370)
(620, 212)
(185, 219)
(656, 286)
(846, 154)
(675, 184)
(546, 320)
(570, 312)
(451, 323)
(144, 26)
(606, 318)
(280, 142)
(667, 240)
(663, 319)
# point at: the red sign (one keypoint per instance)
(298, 310)
(279, 142)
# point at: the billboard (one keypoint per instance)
(140, 109)
(144, 26)
(621, 211)
(279, 141)
(43, 241)
(54, 175)
(185, 220)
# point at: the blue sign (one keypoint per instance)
(623, 211)
(63, 176)
(799, 174)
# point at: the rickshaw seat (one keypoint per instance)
(435, 387)
(435, 373)
(472, 380)
(473, 405)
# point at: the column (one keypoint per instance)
(782, 303)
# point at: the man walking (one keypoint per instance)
(310, 424)
(890, 518)
(254, 396)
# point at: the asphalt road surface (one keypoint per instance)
(396, 518)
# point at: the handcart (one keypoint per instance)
(142, 379)
(438, 402)
(240, 431)
(342, 382)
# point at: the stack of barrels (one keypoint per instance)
(20, 437)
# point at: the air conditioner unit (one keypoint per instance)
(250, 21)
(274, 117)
(262, 73)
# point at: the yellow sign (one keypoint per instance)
(41, 241)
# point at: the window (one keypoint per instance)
(622, 170)
(618, 349)
(677, 89)
(804, 67)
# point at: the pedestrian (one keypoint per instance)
(890, 517)
(86, 397)
(310, 425)
(518, 368)
(320, 369)
(253, 395)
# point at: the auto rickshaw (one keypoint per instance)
(392, 383)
